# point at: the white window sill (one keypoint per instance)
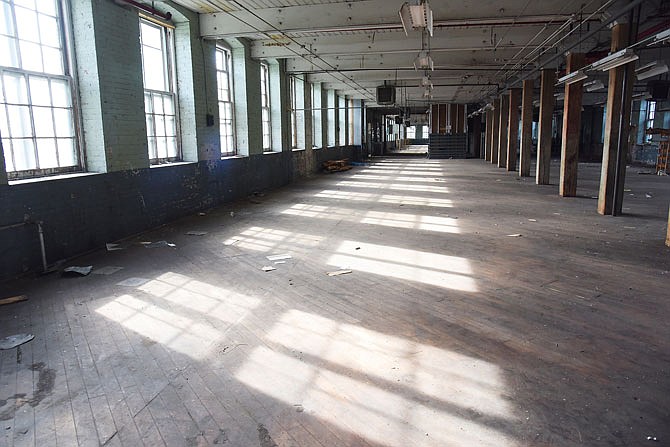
(51, 177)
(233, 157)
(271, 152)
(299, 149)
(176, 163)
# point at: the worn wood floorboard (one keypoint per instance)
(448, 331)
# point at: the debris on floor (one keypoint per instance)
(336, 165)
(299, 408)
(231, 242)
(77, 271)
(338, 272)
(532, 220)
(280, 262)
(157, 244)
(268, 268)
(202, 214)
(514, 235)
(133, 282)
(278, 257)
(13, 299)
(196, 233)
(113, 247)
(108, 270)
(232, 214)
(652, 438)
(15, 340)
(649, 195)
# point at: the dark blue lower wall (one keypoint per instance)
(82, 213)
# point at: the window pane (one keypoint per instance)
(47, 7)
(160, 125)
(26, 24)
(15, 88)
(19, 122)
(44, 126)
(171, 147)
(63, 120)
(170, 127)
(168, 103)
(46, 151)
(60, 93)
(31, 56)
(152, 147)
(49, 34)
(24, 154)
(67, 152)
(158, 104)
(154, 74)
(8, 54)
(53, 60)
(6, 22)
(150, 125)
(39, 91)
(27, 3)
(4, 130)
(151, 35)
(161, 147)
(219, 60)
(9, 164)
(147, 103)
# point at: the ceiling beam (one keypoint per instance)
(380, 15)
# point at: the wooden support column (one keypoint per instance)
(453, 113)
(572, 123)
(513, 128)
(617, 119)
(526, 127)
(544, 128)
(489, 135)
(504, 123)
(495, 139)
(460, 118)
(476, 136)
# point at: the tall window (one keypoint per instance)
(411, 133)
(160, 99)
(316, 117)
(36, 98)
(350, 111)
(224, 81)
(294, 117)
(265, 107)
(651, 115)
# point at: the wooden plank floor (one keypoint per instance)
(448, 331)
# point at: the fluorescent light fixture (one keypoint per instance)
(650, 70)
(594, 86)
(615, 60)
(573, 77)
(663, 36)
(416, 17)
(423, 62)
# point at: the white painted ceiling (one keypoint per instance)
(353, 46)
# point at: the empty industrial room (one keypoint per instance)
(334, 223)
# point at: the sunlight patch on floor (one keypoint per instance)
(387, 389)
(268, 239)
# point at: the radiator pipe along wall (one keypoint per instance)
(145, 8)
(40, 232)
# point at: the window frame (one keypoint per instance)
(312, 93)
(228, 62)
(168, 49)
(650, 117)
(350, 117)
(266, 110)
(293, 116)
(66, 48)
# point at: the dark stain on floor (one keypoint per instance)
(264, 437)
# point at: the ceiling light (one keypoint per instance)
(615, 60)
(423, 62)
(663, 36)
(415, 17)
(650, 70)
(594, 86)
(573, 77)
